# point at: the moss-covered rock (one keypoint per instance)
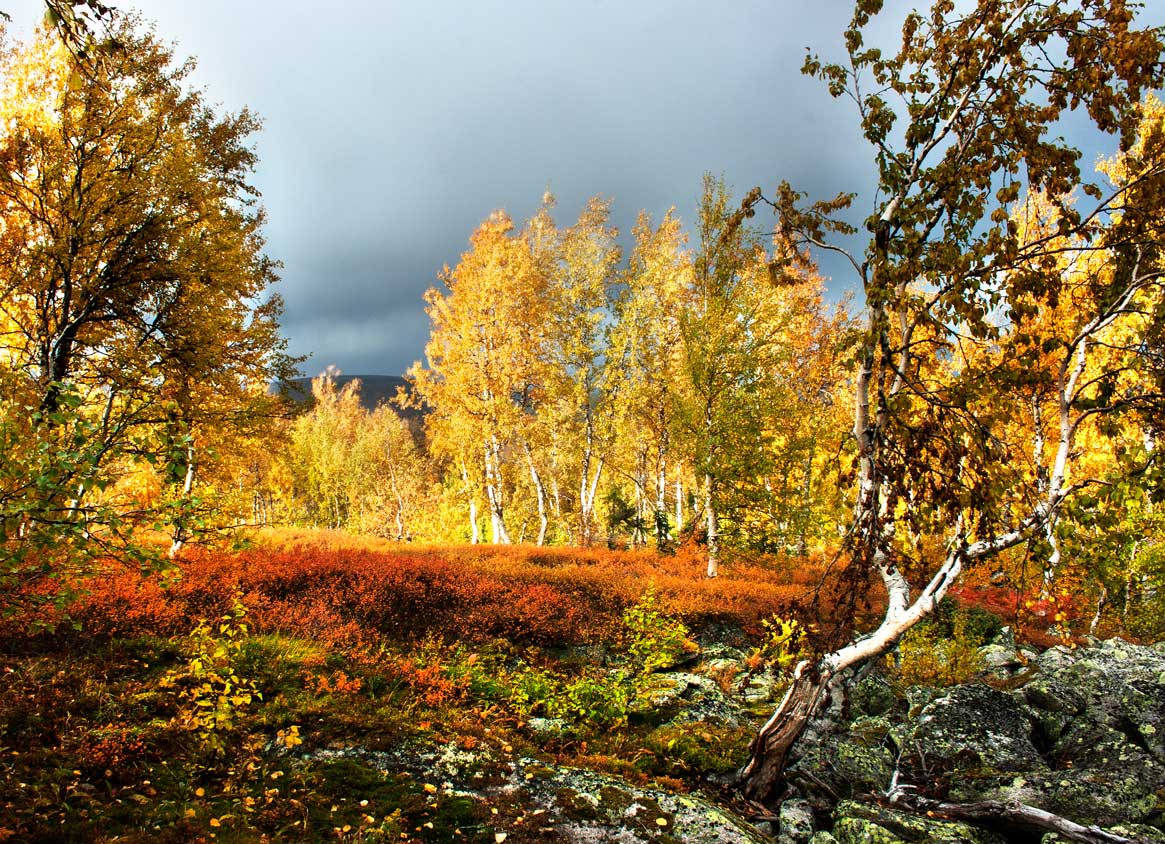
(872, 695)
(682, 698)
(871, 730)
(796, 822)
(1078, 732)
(862, 831)
(974, 729)
(861, 823)
(570, 804)
(704, 748)
(1136, 832)
(582, 805)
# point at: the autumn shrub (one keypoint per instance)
(432, 683)
(781, 647)
(333, 683)
(1038, 618)
(942, 651)
(592, 699)
(531, 690)
(124, 603)
(654, 639)
(111, 747)
(345, 591)
(211, 692)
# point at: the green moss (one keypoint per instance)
(539, 772)
(615, 801)
(861, 831)
(696, 748)
(343, 786)
(651, 816)
(872, 696)
(870, 731)
(576, 806)
(862, 823)
(867, 768)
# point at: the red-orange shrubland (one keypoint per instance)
(337, 592)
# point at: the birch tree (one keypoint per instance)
(964, 123)
(581, 391)
(645, 357)
(132, 277)
(488, 338)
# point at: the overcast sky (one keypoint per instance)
(391, 129)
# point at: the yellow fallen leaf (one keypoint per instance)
(430, 788)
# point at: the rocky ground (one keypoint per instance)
(1078, 732)
(1075, 732)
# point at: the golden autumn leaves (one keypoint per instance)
(134, 335)
(571, 392)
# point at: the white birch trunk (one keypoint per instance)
(664, 532)
(474, 530)
(540, 494)
(179, 535)
(713, 524)
(493, 492)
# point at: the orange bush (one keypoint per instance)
(340, 590)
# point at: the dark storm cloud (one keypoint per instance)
(412, 125)
(392, 129)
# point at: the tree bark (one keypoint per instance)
(763, 775)
(713, 523)
(663, 531)
(806, 505)
(179, 535)
(474, 531)
(588, 489)
(764, 771)
(493, 493)
(540, 494)
(400, 501)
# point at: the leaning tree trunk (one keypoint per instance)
(762, 777)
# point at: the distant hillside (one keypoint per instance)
(374, 390)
